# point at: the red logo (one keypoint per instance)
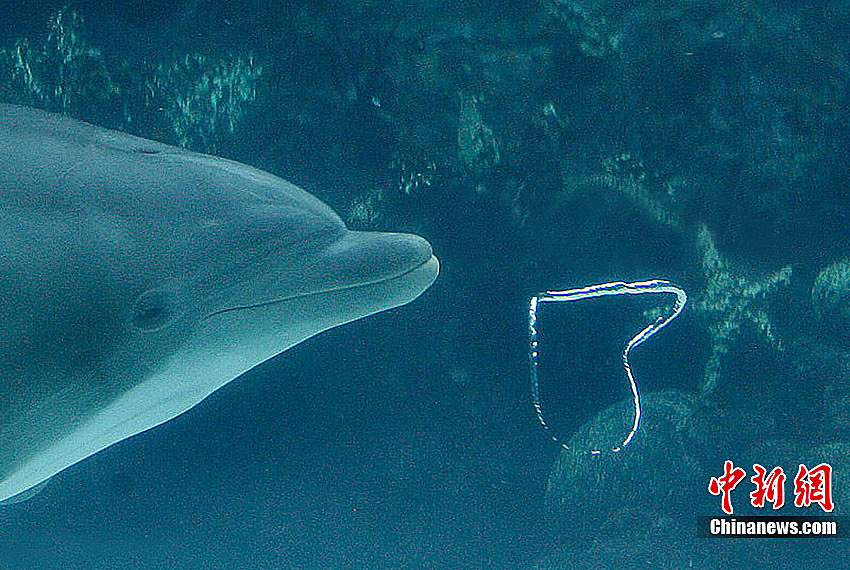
(770, 488)
(810, 486)
(726, 484)
(814, 486)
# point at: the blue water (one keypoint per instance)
(536, 145)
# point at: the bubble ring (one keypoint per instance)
(601, 290)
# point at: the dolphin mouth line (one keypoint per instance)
(322, 291)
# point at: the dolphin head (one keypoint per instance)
(138, 278)
(264, 266)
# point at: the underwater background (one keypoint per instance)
(537, 144)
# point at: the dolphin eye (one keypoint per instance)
(153, 310)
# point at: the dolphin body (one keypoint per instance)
(137, 278)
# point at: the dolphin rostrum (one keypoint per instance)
(137, 278)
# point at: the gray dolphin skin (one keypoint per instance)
(137, 278)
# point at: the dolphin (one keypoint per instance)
(137, 278)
